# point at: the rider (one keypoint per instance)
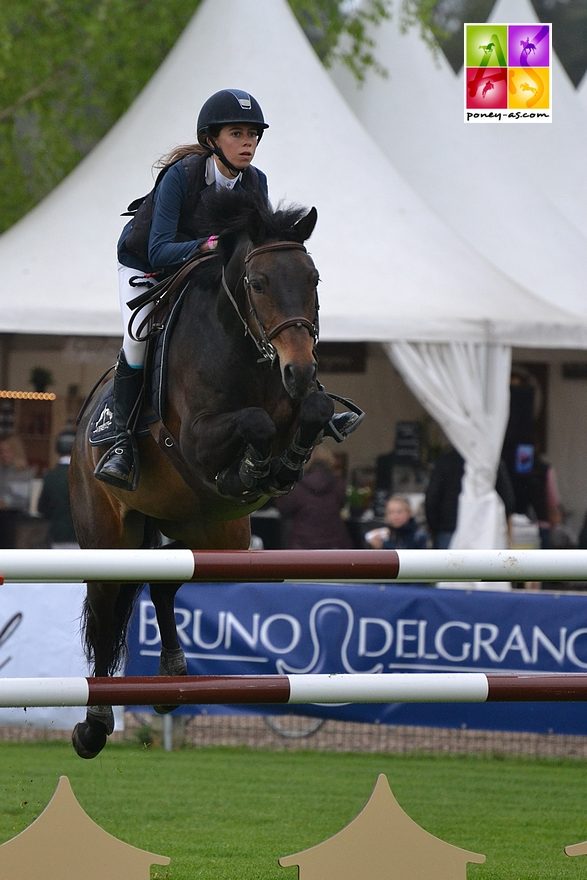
(229, 128)
(161, 237)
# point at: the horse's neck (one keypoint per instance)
(230, 300)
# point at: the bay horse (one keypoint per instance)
(243, 409)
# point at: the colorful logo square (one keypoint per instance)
(507, 72)
(529, 87)
(486, 44)
(487, 87)
(528, 45)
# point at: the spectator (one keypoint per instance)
(15, 487)
(53, 501)
(311, 512)
(536, 491)
(442, 496)
(401, 531)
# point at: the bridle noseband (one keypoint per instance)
(263, 338)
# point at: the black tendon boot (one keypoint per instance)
(119, 466)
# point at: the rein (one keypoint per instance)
(160, 294)
(263, 339)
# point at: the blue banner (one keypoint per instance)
(263, 629)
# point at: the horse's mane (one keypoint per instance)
(242, 212)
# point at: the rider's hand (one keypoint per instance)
(210, 244)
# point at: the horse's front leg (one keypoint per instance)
(234, 449)
(172, 660)
(315, 413)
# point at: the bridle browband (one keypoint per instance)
(263, 337)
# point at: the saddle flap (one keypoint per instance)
(102, 429)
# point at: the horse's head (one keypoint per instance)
(270, 280)
(282, 303)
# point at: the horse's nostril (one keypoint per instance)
(297, 378)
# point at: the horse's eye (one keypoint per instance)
(256, 286)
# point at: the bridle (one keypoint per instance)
(262, 337)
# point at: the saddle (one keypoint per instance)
(167, 296)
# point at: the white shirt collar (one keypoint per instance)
(214, 175)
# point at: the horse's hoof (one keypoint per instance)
(88, 740)
(163, 710)
(172, 662)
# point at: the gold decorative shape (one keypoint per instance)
(577, 849)
(63, 842)
(382, 843)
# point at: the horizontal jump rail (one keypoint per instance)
(250, 566)
(458, 687)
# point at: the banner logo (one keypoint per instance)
(507, 72)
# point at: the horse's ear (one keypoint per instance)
(304, 227)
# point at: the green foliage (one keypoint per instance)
(68, 70)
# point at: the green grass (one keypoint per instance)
(223, 814)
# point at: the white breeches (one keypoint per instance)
(134, 351)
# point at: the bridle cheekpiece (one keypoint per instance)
(263, 338)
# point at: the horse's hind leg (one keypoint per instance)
(106, 613)
(172, 660)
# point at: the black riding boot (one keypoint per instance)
(119, 466)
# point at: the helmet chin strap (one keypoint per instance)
(218, 152)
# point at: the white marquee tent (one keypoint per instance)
(484, 180)
(499, 186)
(392, 270)
(564, 180)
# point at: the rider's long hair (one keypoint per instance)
(181, 152)
(184, 150)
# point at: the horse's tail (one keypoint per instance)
(93, 636)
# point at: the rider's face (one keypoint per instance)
(238, 143)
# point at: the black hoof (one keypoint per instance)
(163, 710)
(88, 740)
(172, 662)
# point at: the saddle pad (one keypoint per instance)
(102, 428)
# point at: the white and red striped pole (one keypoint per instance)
(441, 687)
(250, 566)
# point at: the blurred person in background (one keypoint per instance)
(401, 531)
(442, 496)
(15, 487)
(311, 513)
(53, 502)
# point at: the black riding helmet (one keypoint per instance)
(223, 108)
(226, 106)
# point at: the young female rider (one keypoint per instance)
(163, 235)
(229, 128)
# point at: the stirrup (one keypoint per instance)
(123, 452)
(342, 424)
